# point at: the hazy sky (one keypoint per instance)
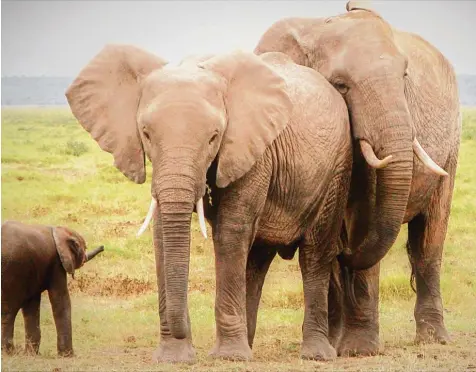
(58, 38)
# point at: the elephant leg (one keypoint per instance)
(231, 242)
(335, 302)
(31, 316)
(8, 326)
(316, 273)
(170, 349)
(61, 306)
(259, 260)
(361, 319)
(426, 236)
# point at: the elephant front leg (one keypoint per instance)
(426, 237)
(259, 260)
(170, 349)
(61, 306)
(231, 242)
(315, 275)
(31, 316)
(361, 318)
(8, 326)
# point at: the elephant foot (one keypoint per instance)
(428, 333)
(66, 353)
(232, 350)
(174, 351)
(318, 350)
(358, 342)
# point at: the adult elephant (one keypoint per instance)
(402, 97)
(270, 138)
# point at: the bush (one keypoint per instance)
(76, 148)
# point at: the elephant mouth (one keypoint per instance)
(153, 208)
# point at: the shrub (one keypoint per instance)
(76, 148)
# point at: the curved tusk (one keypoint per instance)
(371, 158)
(201, 218)
(425, 159)
(148, 218)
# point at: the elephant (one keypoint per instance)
(265, 140)
(402, 97)
(36, 258)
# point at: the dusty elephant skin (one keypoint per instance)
(36, 258)
(272, 141)
(404, 109)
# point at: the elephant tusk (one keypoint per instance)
(201, 218)
(148, 218)
(425, 159)
(371, 158)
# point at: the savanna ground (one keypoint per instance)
(54, 173)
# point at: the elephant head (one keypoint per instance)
(358, 54)
(225, 108)
(71, 249)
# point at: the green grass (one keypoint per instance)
(54, 173)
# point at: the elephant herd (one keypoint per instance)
(325, 140)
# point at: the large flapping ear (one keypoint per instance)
(104, 98)
(70, 249)
(258, 109)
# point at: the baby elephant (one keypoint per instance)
(36, 258)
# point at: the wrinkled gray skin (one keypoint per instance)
(272, 141)
(397, 87)
(36, 258)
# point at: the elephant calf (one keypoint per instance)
(36, 258)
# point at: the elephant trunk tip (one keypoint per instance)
(90, 255)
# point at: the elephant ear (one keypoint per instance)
(258, 109)
(104, 98)
(70, 249)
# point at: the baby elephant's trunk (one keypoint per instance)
(90, 255)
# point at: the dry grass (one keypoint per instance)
(115, 318)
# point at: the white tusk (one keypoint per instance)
(201, 218)
(148, 218)
(425, 159)
(371, 158)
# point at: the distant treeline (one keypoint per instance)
(49, 91)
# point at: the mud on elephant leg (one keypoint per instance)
(170, 349)
(31, 315)
(361, 318)
(259, 260)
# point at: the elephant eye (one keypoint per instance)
(146, 135)
(213, 138)
(341, 87)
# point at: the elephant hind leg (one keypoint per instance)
(426, 236)
(8, 326)
(31, 316)
(259, 260)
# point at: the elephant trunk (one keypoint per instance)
(394, 138)
(176, 207)
(91, 254)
